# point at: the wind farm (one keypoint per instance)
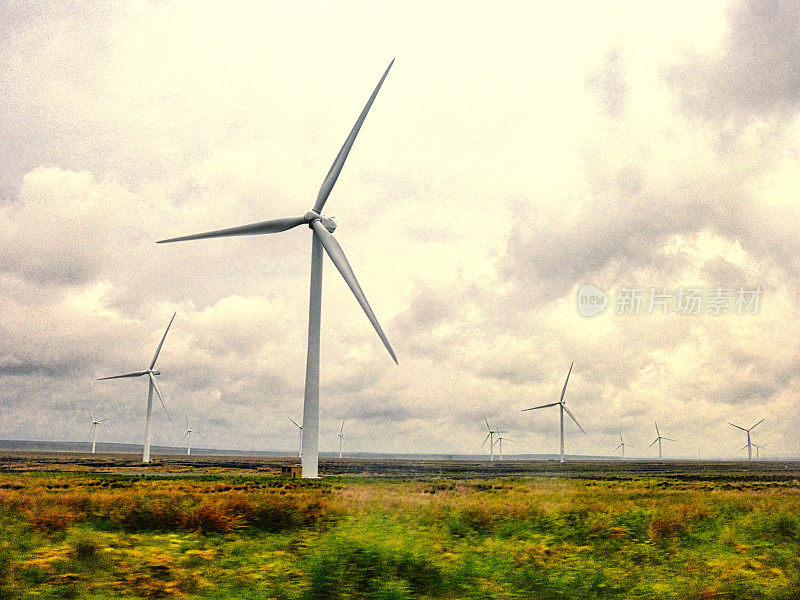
(612, 186)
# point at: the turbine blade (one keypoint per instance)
(262, 227)
(669, 439)
(563, 391)
(743, 448)
(542, 406)
(134, 374)
(571, 416)
(486, 438)
(657, 431)
(618, 447)
(155, 356)
(160, 397)
(336, 253)
(295, 424)
(487, 423)
(338, 163)
(654, 441)
(737, 427)
(756, 425)
(341, 430)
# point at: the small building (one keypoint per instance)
(292, 471)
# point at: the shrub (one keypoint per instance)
(50, 518)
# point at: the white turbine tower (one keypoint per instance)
(322, 228)
(300, 427)
(658, 439)
(341, 437)
(188, 436)
(95, 423)
(490, 437)
(499, 442)
(622, 445)
(151, 375)
(562, 408)
(749, 443)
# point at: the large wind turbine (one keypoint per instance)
(341, 437)
(490, 437)
(562, 407)
(749, 445)
(322, 227)
(300, 427)
(95, 423)
(151, 375)
(658, 439)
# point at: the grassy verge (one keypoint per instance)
(95, 536)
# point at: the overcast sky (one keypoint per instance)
(515, 153)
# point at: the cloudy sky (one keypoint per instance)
(515, 154)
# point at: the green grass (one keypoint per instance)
(94, 536)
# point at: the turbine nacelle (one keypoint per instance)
(327, 222)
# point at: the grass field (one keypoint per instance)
(193, 531)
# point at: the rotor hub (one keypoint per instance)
(327, 222)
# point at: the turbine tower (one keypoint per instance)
(300, 427)
(622, 445)
(151, 375)
(562, 408)
(95, 423)
(322, 228)
(658, 439)
(341, 437)
(749, 445)
(188, 436)
(490, 437)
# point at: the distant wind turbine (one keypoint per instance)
(188, 436)
(341, 437)
(758, 447)
(499, 442)
(322, 228)
(95, 423)
(622, 445)
(749, 443)
(300, 427)
(490, 437)
(562, 408)
(151, 375)
(658, 439)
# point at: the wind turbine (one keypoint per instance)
(562, 407)
(758, 447)
(747, 431)
(622, 445)
(151, 374)
(499, 442)
(490, 437)
(322, 228)
(658, 439)
(95, 423)
(341, 437)
(300, 427)
(188, 436)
